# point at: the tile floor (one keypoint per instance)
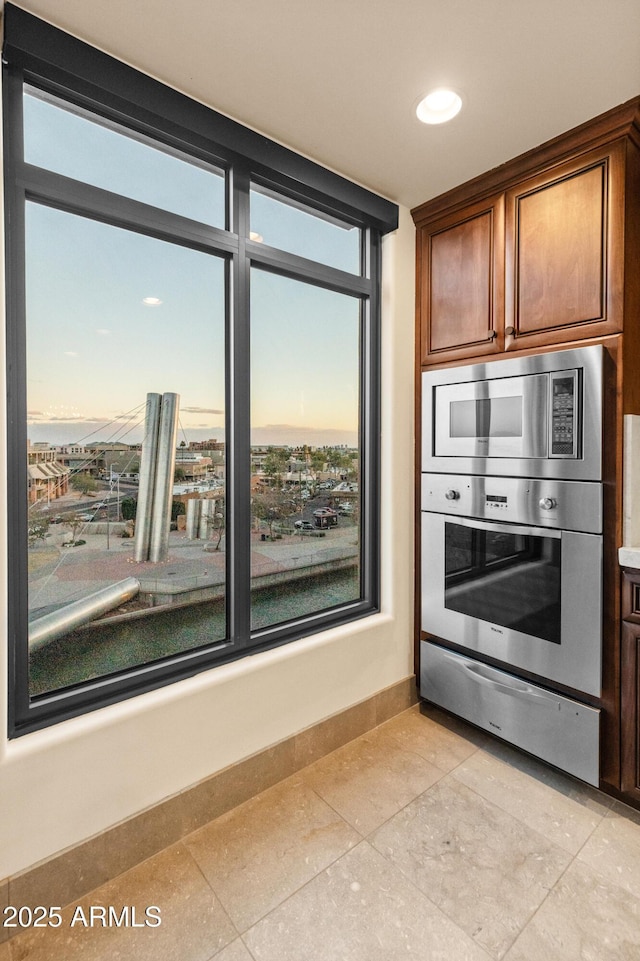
(422, 839)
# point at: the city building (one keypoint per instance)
(48, 476)
(192, 466)
(206, 445)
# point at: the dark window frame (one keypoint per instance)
(38, 54)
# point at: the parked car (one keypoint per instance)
(303, 525)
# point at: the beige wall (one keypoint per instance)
(73, 780)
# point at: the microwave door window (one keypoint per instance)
(463, 418)
(505, 417)
(486, 417)
(511, 580)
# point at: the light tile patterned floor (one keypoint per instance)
(422, 840)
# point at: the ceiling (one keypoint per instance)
(339, 80)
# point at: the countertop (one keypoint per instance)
(629, 557)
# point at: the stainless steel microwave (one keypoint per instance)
(534, 416)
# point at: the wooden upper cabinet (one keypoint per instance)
(462, 291)
(537, 252)
(564, 252)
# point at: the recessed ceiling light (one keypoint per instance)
(439, 106)
(152, 301)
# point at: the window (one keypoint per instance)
(193, 349)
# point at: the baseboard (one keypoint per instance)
(71, 874)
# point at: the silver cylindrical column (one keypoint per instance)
(166, 461)
(46, 629)
(194, 508)
(206, 519)
(148, 458)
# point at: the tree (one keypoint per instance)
(128, 507)
(216, 522)
(84, 483)
(38, 527)
(271, 506)
(339, 461)
(315, 465)
(317, 461)
(275, 463)
(177, 508)
(74, 522)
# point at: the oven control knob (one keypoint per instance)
(452, 495)
(547, 503)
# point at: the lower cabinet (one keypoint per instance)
(630, 689)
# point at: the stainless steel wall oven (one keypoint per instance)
(512, 550)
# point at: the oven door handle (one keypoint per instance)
(514, 688)
(505, 528)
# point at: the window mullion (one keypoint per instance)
(84, 199)
(308, 271)
(370, 427)
(16, 392)
(239, 423)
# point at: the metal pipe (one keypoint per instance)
(163, 488)
(148, 458)
(45, 629)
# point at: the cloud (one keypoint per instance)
(302, 428)
(67, 418)
(290, 435)
(200, 410)
(70, 353)
(103, 332)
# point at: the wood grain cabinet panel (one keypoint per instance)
(630, 689)
(563, 256)
(560, 253)
(630, 693)
(462, 291)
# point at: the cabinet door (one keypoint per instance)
(630, 685)
(630, 728)
(564, 238)
(461, 283)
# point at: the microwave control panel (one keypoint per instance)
(565, 408)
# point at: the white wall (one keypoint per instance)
(75, 779)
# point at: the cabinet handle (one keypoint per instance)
(510, 331)
(492, 335)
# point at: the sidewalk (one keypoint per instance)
(59, 575)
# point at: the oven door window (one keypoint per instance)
(508, 579)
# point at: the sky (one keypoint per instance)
(113, 314)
